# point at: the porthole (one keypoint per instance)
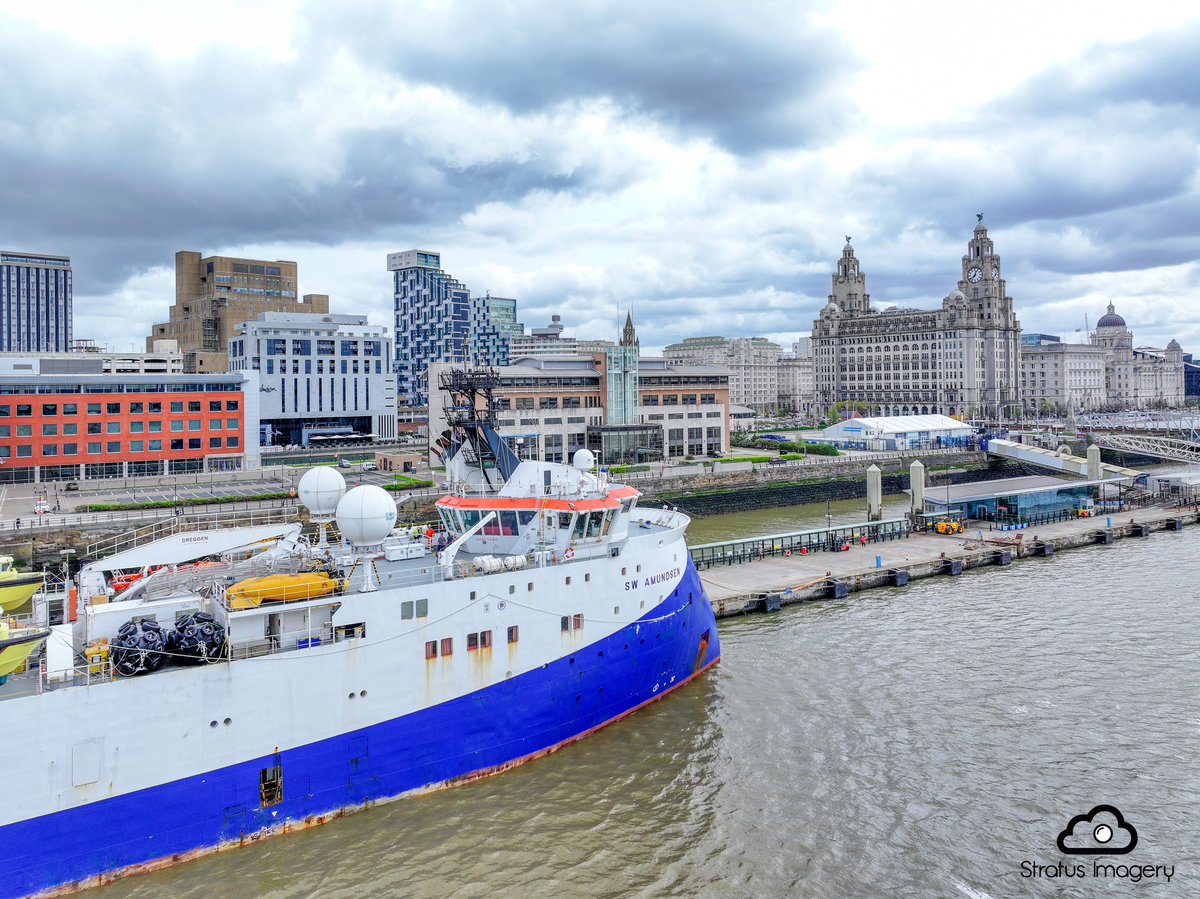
(362, 693)
(213, 723)
(228, 721)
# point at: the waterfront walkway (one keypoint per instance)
(779, 580)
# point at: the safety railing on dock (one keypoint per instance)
(830, 539)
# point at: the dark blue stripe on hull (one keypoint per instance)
(522, 717)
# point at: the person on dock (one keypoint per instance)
(863, 540)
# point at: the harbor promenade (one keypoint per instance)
(767, 583)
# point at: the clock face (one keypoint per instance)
(974, 275)
(995, 274)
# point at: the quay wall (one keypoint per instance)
(846, 574)
(763, 490)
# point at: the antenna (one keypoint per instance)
(1087, 329)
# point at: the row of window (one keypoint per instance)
(475, 642)
(114, 447)
(25, 410)
(69, 429)
(277, 346)
(352, 369)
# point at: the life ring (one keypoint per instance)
(788, 553)
(569, 554)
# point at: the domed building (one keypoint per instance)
(962, 359)
(1141, 377)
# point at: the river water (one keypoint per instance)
(926, 741)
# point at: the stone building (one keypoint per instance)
(1062, 378)
(753, 363)
(962, 359)
(215, 294)
(1141, 377)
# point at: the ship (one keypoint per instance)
(355, 665)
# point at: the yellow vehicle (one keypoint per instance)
(946, 526)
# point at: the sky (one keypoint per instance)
(698, 163)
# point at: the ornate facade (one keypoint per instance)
(1141, 378)
(962, 359)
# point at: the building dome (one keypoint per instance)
(1111, 319)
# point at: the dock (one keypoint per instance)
(769, 582)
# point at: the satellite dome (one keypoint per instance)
(320, 489)
(366, 514)
(584, 459)
(1111, 320)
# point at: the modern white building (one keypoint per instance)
(326, 377)
(898, 432)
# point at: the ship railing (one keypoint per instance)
(660, 518)
(288, 641)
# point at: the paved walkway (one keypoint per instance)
(778, 573)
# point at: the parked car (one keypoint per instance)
(71, 487)
(41, 506)
(370, 466)
(343, 463)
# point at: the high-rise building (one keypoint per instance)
(503, 311)
(437, 320)
(215, 294)
(962, 359)
(35, 303)
(322, 376)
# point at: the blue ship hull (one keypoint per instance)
(477, 734)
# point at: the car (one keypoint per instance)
(71, 487)
(41, 506)
(343, 463)
(777, 461)
(370, 466)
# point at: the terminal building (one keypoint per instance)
(324, 378)
(74, 422)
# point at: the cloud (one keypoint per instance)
(1102, 831)
(752, 79)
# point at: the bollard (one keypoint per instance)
(1108, 522)
(879, 561)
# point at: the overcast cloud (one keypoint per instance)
(697, 162)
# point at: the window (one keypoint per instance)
(176, 443)
(70, 409)
(155, 408)
(156, 427)
(447, 646)
(113, 447)
(231, 441)
(24, 430)
(194, 442)
(485, 639)
(176, 427)
(49, 430)
(137, 427)
(193, 424)
(113, 408)
(70, 428)
(177, 406)
(472, 642)
(136, 408)
(514, 633)
(136, 446)
(93, 408)
(231, 405)
(5, 411)
(49, 408)
(155, 446)
(94, 449)
(231, 424)
(577, 621)
(431, 649)
(565, 623)
(24, 451)
(93, 427)
(193, 405)
(70, 449)
(214, 442)
(24, 411)
(214, 405)
(112, 427)
(5, 430)
(49, 449)
(214, 424)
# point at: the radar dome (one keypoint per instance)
(320, 489)
(366, 514)
(584, 459)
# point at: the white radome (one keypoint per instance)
(366, 514)
(321, 489)
(584, 460)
